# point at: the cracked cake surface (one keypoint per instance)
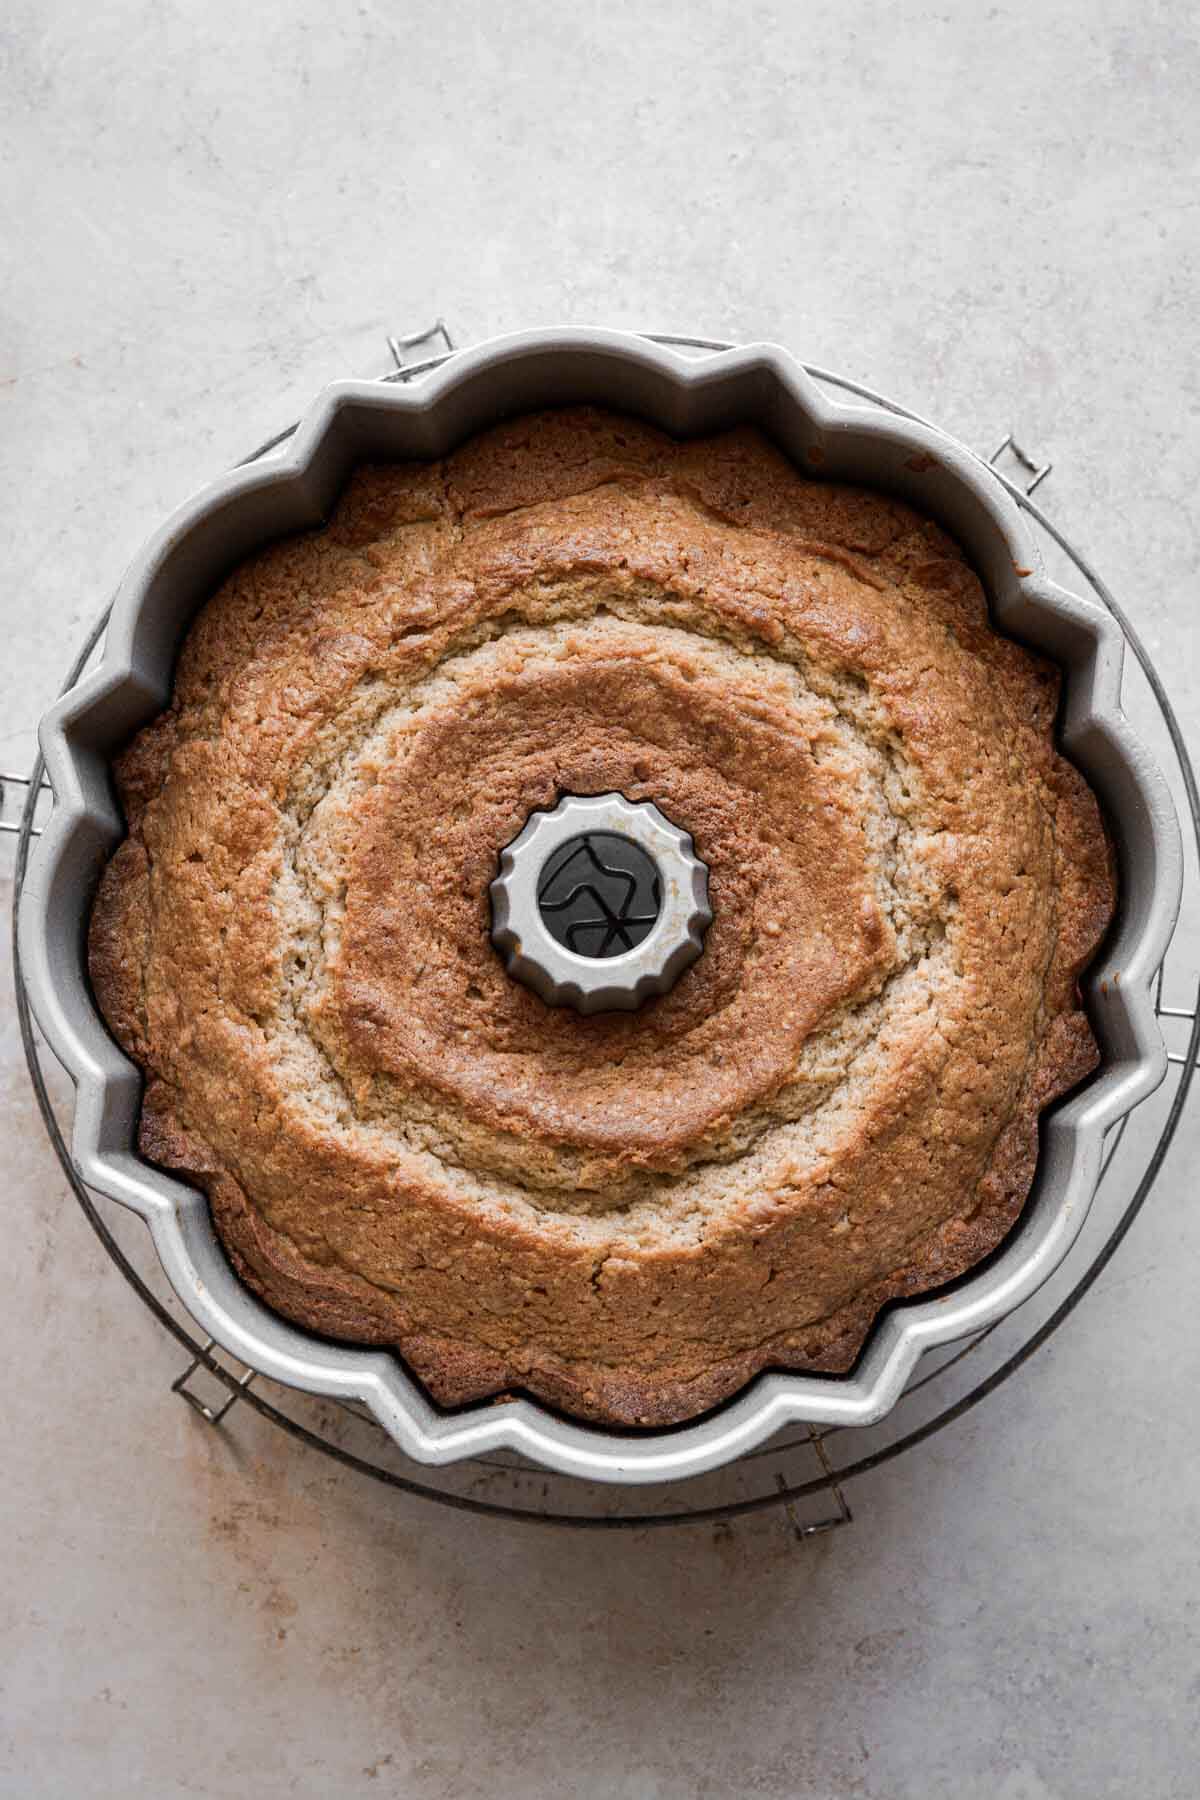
(626, 1215)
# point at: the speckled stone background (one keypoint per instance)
(990, 212)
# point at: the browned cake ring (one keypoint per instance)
(625, 1215)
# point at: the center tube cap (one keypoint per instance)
(600, 903)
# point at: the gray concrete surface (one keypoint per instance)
(990, 212)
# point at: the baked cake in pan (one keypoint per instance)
(627, 1215)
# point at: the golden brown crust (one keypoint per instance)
(628, 1216)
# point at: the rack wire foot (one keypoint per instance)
(13, 792)
(205, 1360)
(398, 345)
(817, 1527)
(1187, 1013)
(1036, 471)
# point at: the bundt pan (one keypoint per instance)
(293, 489)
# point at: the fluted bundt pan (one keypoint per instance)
(293, 489)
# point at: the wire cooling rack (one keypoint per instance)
(804, 1471)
